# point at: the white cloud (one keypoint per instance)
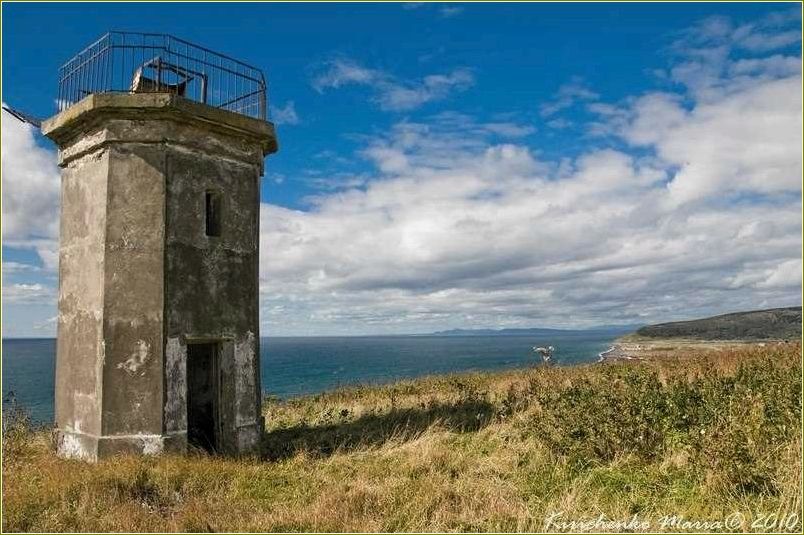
(748, 142)
(48, 325)
(774, 66)
(758, 42)
(771, 32)
(31, 188)
(707, 65)
(459, 230)
(559, 123)
(785, 275)
(450, 11)
(343, 71)
(508, 129)
(445, 11)
(13, 268)
(566, 96)
(436, 142)
(461, 224)
(391, 93)
(22, 293)
(400, 97)
(286, 114)
(737, 129)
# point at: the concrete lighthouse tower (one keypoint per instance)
(161, 145)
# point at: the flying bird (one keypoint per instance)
(545, 352)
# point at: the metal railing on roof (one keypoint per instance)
(158, 63)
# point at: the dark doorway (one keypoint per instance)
(202, 396)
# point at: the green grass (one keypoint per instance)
(700, 437)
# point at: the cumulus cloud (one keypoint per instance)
(31, 188)
(461, 223)
(460, 230)
(285, 114)
(735, 130)
(747, 142)
(390, 92)
(706, 53)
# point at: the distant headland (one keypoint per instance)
(770, 324)
(535, 331)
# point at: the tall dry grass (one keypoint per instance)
(700, 437)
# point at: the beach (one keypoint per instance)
(628, 349)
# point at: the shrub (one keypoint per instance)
(17, 428)
(732, 425)
(745, 420)
(622, 411)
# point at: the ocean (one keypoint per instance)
(295, 366)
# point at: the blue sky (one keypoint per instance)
(415, 137)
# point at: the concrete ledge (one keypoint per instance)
(176, 442)
(133, 444)
(196, 137)
(78, 118)
(71, 445)
(86, 447)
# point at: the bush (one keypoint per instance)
(17, 428)
(621, 411)
(745, 420)
(731, 425)
(701, 436)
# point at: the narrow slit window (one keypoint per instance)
(213, 213)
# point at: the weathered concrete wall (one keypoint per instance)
(80, 346)
(134, 298)
(212, 281)
(140, 279)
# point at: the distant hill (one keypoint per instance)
(535, 331)
(772, 324)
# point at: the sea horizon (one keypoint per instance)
(480, 331)
(293, 366)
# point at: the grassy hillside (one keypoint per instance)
(772, 324)
(701, 436)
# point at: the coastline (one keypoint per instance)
(630, 349)
(616, 353)
(441, 445)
